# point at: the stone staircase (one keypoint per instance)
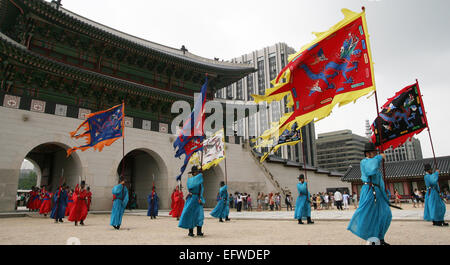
(266, 171)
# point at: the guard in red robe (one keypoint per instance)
(46, 205)
(177, 203)
(89, 198)
(31, 198)
(69, 202)
(37, 202)
(79, 209)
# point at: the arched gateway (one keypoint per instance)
(55, 167)
(143, 168)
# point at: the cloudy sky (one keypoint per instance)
(410, 39)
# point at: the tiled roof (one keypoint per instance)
(23, 55)
(403, 169)
(67, 19)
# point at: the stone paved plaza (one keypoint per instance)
(245, 228)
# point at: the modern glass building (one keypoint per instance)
(336, 151)
(268, 61)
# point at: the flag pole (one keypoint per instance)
(304, 156)
(381, 141)
(226, 175)
(428, 126)
(379, 128)
(123, 138)
(432, 148)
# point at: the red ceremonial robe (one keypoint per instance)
(69, 204)
(46, 205)
(172, 205)
(79, 209)
(30, 203)
(37, 202)
(89, 198)
(178, 204)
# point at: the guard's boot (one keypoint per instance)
(81, 222)
(227, 219)
(444, 223)
(220, 220)
(300, 221)
(439, 223)
(435, 223)
(118, 227)
(309, 221)
(61, 220)
(383, 243)
(199, 231)
(76, 223)
(191, 232)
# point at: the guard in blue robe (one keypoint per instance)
(373, 216)
(434, 209)
(152, 200)
(222, 208)
(192, 215)
(303, 203)
(120, 201)
(60, 200)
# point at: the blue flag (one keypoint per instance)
(100, 129)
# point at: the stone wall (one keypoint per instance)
(19, 136)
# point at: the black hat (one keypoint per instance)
(369, 147)
(194, 169)
(427, 167)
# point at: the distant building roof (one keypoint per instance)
(403, 169)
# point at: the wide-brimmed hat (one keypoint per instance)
(194, 169)
(427, 167)
(369, 147)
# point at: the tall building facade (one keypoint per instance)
(268, 61)
(336, 151)
(410, 150)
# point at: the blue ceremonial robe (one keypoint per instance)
(152, 205)
(302, 205)
(372, 218)
(120, 193)
(434, 209)
(59, 205)
(192, 214)
(222, 208)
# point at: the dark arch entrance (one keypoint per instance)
(53, 163)
(142, 168)
(211, 183)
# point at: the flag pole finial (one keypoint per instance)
(363, 8)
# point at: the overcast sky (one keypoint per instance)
(410, 39)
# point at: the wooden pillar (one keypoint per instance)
(391, 188)
(406, 188)
(354, 188)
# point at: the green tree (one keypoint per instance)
(28, 181)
